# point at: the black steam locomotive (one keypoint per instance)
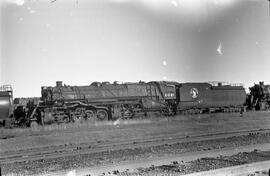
(105, 101)
(259, 97)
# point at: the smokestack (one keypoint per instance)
(58, 83)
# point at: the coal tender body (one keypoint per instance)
(201, 97)
(103, 101)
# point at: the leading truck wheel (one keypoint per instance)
(102, 115)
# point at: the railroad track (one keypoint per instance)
(102, 146)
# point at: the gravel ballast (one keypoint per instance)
(117, 156)
(202, 164)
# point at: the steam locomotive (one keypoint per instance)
(103, 101)
(259, 97)
(106, 101)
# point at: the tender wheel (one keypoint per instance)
(102, 115)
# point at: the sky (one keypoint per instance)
(82, 41)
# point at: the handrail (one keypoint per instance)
(6, 88)
(216, 83)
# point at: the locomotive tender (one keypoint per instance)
(198, 97)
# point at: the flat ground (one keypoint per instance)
(100, 143)
(21, 139)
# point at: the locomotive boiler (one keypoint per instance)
(104, 101)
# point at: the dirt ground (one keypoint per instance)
(203, 164)
(19, 139)
(142, 155)
(117, 131)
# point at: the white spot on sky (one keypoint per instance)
(257, 43)
(19, 2)
(219, 49)
(71, 173)
(21, 18)
(164, 63)
(164, 77)
(174, 3)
